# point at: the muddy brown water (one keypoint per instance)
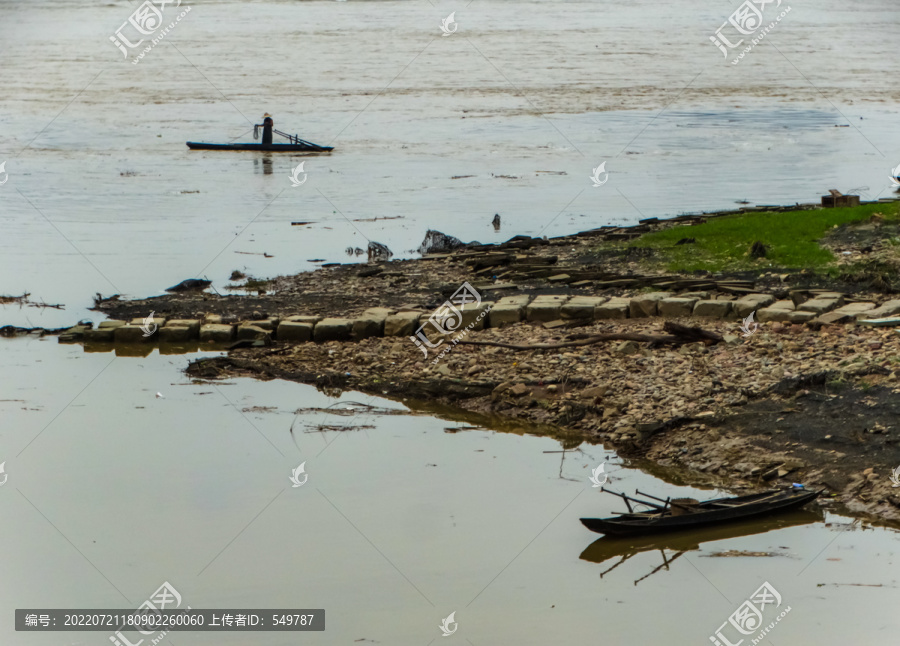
(110, 490)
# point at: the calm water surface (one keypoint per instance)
(112, 490)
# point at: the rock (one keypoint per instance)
(552, 388)
(303, 318)
(130, 334)
(401, 324)
(628, 347)
(801, 316)
(294, 332)
(437, 242)
(581, 307)
(190, 285)
(443, 369)
(246, 331)
(595, 391)
(367, 326)
(505, 314)
(646, 304)
(751, 303)
(476, 316)
(758, 250)
(474, 370)
(112, 324)
(378, 252)
(216, 333)
(519, 390)
(215, 319)
(731, 339)
(332, 329)
(712, 309)
(101, 334)
(890, 308)
(176, 334)
(869, 471)
(544, 310)
(615, 308)
(676, 307)
(192, 324)
(820, 305)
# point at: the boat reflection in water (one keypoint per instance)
(608, 547)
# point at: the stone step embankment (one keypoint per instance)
(815, 307)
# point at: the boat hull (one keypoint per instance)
(275, 148)
(709, 512)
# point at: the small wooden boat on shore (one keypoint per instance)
(681, 514)
(300, 147)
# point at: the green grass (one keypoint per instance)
(791, 239)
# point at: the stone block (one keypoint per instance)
(770, 314)
(130, 334)
(214, 319)
(890, 308)
(505, 314)
(303, 318)
(543, 311)
(111, 324)
(801, 316)
(294, 332)
(712, 309)
(615, 308)
(332, 329)
(367, 325)
(751, 303)
(401, 324)
(856, 308)
(175, 334)
(819, 305)
(216, 333)
(646, 304)
(581, 307)
(193, 324)
(252, 332)
(676, 307)
(470, 315)
(516, 299)
(101, 334)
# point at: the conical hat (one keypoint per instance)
(267, 116)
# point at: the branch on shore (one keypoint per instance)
(678, 335)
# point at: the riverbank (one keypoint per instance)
(808, 396)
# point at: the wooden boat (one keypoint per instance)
(302, 147)
(663, 518)
(606, 548)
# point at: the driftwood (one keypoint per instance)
(678, 335)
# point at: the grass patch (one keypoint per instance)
(791, 239)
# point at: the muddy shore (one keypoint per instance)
(789, 403)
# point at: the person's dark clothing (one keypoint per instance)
(267, 130)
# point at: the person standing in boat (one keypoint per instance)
(267, 126)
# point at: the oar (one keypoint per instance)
(626, 499)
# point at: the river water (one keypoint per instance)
(112, 490)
